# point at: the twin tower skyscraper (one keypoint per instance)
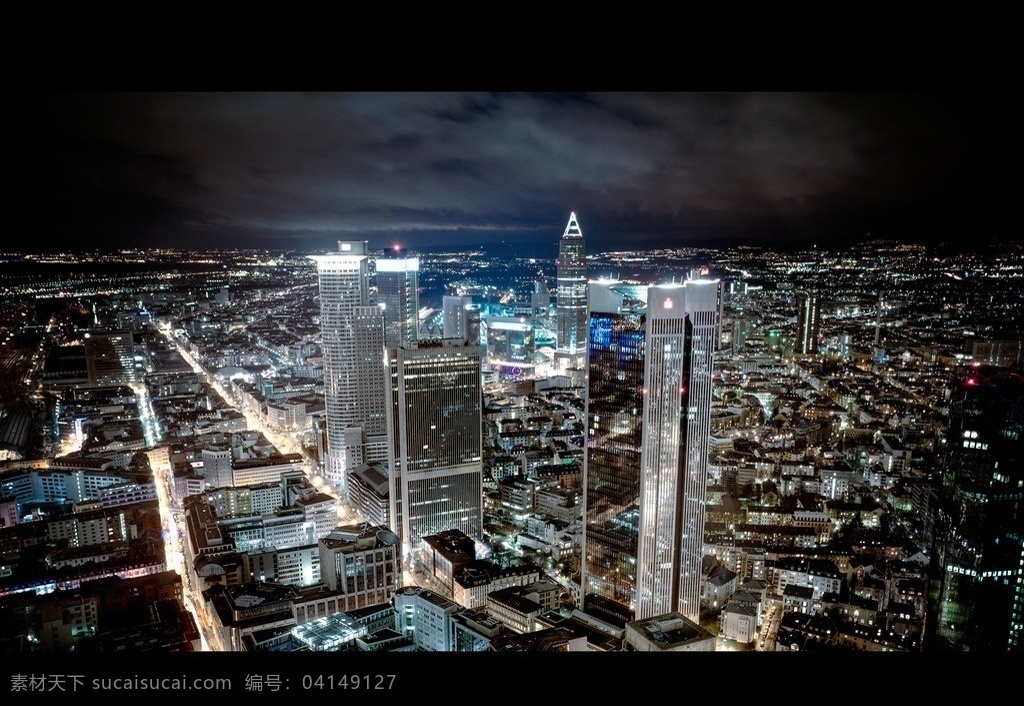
(647, 351)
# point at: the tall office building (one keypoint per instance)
(808, 322)
(217, 462)
(648, 416)
(980, 543)
(353, 354)
(703, 273)
(682, 328)
(572, 317)
(110, 357)
(435, 428)
(398, 295)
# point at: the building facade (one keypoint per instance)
(360, 562)
(680, 343)
(435, 426)
(611, 464)
(980, 543)
(648, 414)
(110, 358)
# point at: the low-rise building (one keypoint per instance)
(669, 632)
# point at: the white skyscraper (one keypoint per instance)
(353, 354)
(460, 318)
(680, 343)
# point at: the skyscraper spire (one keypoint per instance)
(572, 228)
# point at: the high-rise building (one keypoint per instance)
(435, 429)
(353, 353)
(398, 295)
(460, 318)
(648, 414)
(681, 337)
(572, 317)
(611, 464)
(540, 301)
(808, 322)
(110, 357)
(703, 273)
(511, 345)
(217, 463)
(980, 542)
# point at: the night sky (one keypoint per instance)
(425, 169)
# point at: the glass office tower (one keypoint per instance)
(435, 430)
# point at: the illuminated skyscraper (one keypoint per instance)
(572, 316)
(435, 428)
(682, 326)
(648, 416)
(353, 353)
(980, 542)
(398, 295)
(808, 322)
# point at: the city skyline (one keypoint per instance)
(810, 451)
(813, 412)
(303, 170)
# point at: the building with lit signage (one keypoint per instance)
(571, 309)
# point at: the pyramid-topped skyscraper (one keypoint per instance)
(573, 316)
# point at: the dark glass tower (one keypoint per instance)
(435, 459)
(979, 598)
(110, 357)
(611, 470)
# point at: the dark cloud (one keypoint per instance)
(304, 169)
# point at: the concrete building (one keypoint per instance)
(360, 562)
(671, 632)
